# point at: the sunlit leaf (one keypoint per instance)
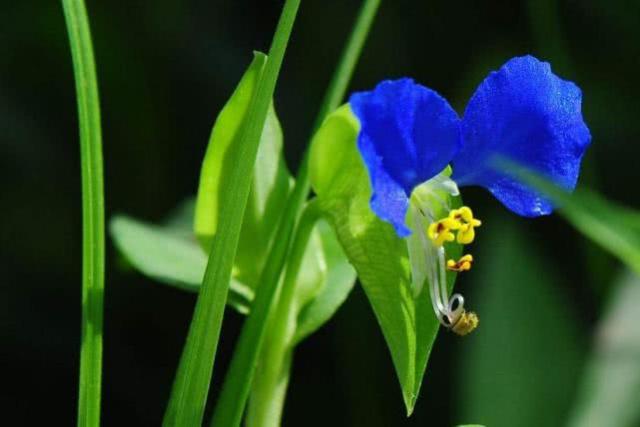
(378, 255)
(269, 187)
(608, 395)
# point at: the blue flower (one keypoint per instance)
(409, 134)
(525, 113)
(522, 112)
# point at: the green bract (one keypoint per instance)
(380, 257)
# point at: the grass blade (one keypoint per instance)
(238, 380)
(92, 212)
(342, 76)
(191, 386)
(614, 227)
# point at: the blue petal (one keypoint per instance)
(524, 113)
(408, 134)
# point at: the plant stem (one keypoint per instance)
(269, 388)
(191, 386)
(350, 55)
(239, 377)
(92, 212)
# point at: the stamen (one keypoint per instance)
(466, 224)
(466, 323)
(463, 264)
(440, 231)
(427, 252)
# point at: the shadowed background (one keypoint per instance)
(165, 69)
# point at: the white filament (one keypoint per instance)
(428, 261)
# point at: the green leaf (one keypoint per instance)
(608, 395)
(526, 353)
(191, 386)
(614, 227)
(170, 254)
(251, 337)
(84, 70)
(380, 257)
(270, 184)
(332, 291)
(167, 254)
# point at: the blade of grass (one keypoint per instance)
(191, 386)
(350, 55)
(616, 228)
(238, 380)
(92, 211)
(269, 387)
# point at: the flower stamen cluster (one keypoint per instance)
(459, 225)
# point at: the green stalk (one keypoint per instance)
(269, 387)
(348, 61)
(238, 380)
(92, 212)
(191, 386)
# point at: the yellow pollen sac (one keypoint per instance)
(467, 322)
(466, 224)
(466, 234)
(463, 264)
(440, 231)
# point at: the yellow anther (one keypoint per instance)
(440, 231)
(463, 264)
(466, 234)
(466, 224)
(467, 322)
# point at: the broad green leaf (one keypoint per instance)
(526, 354)
(269, 187)
(166, 254)
(614, 227)
(170, 254)
(380, 258)
(608, 395)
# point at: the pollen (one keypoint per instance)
(440, 231)
(465, 224)
(463, 264)
(467, 322)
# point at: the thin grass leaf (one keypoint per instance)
(235, 390)
(191, 386)
(92, 212)
(614, 227)
(270, 184)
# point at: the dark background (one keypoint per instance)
(165, 69)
